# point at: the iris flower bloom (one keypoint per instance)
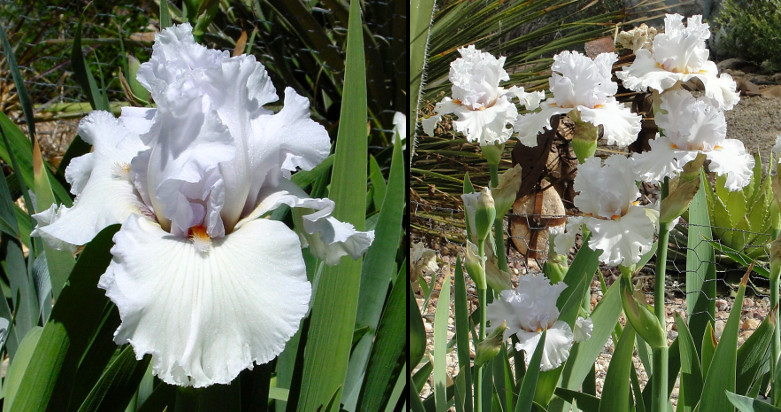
(623, 230)
(583, 85)
(203, 281)
(531, 309)
(484, 109)
(679, 55)
(691, 126)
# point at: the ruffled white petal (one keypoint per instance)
(645, 73)
(327, 237)
(583, 329)
(730, 158)
(621, 126)
(490, 125)
(682, 49)
(690, 123)
(530, 100)
(605, 190)
(530, 124)
(446, 106)
(579, 81)
(623, 241)
(101, 179)
(722, 89)
(205, 317)
(475, 77)
(663, 160)
(558, 343)
(564, 241)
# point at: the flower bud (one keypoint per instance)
(474, 265)
(480, 213)
(496, 278)
(491, 345)
(493, 153)
(506, 191)
(584, 138)
(641, 317)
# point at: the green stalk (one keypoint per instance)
(501, 257)
(660, 355)
(481, 298)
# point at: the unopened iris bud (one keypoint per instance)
(475, 265)
(480, 213)
(505, 192)
(682, 190)
(493, 153)
(641, 317)
(491, 345)
(496, 278)
(584, 138)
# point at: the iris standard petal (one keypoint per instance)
(206, 316)
(101, 179)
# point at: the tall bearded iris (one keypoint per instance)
(691, 126)
(485, 110)
(623, 230)
(583, 87)
(202, 280)
(679, 55)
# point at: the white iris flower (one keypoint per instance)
(531, 309)
(691, 126)
(583, 85)
(622, 230)
(203, 282)
(485, 111)
(678, 55)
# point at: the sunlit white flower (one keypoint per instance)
(203, 280)
(623, 231)
(691, 126)
(485, 111)
(529, 310)
(679, 54)
(585, 85)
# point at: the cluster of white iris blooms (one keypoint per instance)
(608, 194)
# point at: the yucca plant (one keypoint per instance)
(745, 220)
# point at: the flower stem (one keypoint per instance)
(776, 346)
(501, 257)
(481, 299)
(660, 355)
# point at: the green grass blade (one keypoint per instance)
(118, 382)
(722, 378)
(586, 402)
(691, 373)
(754, 356)
(528, 386)
(707, 349)
(745, 404)
(19, 366)
(66, 335)
(335, 300)
(389, 351)
(462, 334)
(440, 345)
(21, 90)
(584, 354)
(615, 394)
(17, 151)
(700, 266)
(378, 182)
(97, 98)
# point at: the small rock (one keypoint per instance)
(750, 324)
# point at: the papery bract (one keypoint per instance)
(484, 109)
(679, 55)
(529, 310)
(691, 126)
(203, 281)
(583, 85)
